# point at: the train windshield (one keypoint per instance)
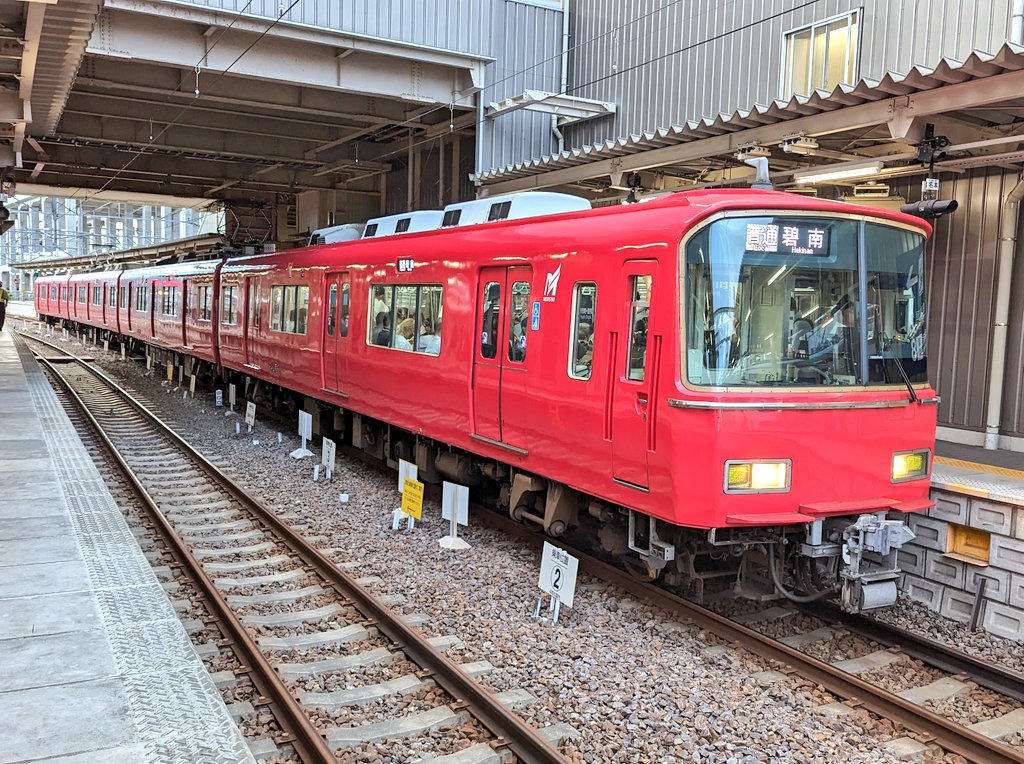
(795, 300)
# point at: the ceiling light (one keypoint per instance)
(838, 172)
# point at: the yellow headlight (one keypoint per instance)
(739, 476)
(756, 476)
(909, 465)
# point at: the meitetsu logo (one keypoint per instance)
(551, 284)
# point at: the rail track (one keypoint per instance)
(930, 726)
(856, 691)
(248, 564)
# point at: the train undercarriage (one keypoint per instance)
(852, 559)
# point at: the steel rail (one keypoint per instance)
(512, 732)
(1000, 679)
(949, 735)
(300, 731)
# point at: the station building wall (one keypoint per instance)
(666, 63)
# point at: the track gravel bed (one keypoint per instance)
(631, 682)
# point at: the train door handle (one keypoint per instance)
(641, 405)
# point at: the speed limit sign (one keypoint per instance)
(558, 574)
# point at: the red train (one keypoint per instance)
(727, 387)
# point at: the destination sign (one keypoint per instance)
(788, 238)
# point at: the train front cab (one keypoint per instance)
(800, 427)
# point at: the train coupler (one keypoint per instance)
(869, 554)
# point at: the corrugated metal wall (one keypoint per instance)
(961, 286)
(527, 46)
(457, 25)
(666, 62)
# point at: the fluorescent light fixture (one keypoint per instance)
(838, 172)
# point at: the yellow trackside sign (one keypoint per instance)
(412, 498)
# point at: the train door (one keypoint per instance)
(336, 340)
(251, 324)
(633, 377)
(499, 362)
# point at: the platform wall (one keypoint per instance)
(947, 585)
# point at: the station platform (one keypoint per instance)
(94, 664)
(971, 470)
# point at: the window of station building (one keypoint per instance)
(406, 317)
(519, 321)
(204, 303)
(451, 217)
(492, 319)
(289, 308)
(229, 305)
(584, 310)
(821, 56)
(499, 211)
(169, 301)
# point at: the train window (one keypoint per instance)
(332, 309)
(519, 316)
(254, 304)
(111, 297)
(53, 293)
(451, 217)
(289, 308)
(499, 211)
(407, 317)
(122, 297)
(402, 225)
(492, 317)
(169, 301)
(97, 295)
(81, 294)
(229, 305)
(345, 302)
(371, 230)
(142, 298)
(204, 303)
(584, 309)
(639, 308)
(380, 315)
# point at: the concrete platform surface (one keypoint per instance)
(94, 665)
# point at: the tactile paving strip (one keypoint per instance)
(177, 712)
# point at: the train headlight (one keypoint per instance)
(757, 476)
(909, 465)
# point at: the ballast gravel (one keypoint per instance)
(635, 685)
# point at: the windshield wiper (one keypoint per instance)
(906, 380)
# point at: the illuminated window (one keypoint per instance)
(821, 56)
